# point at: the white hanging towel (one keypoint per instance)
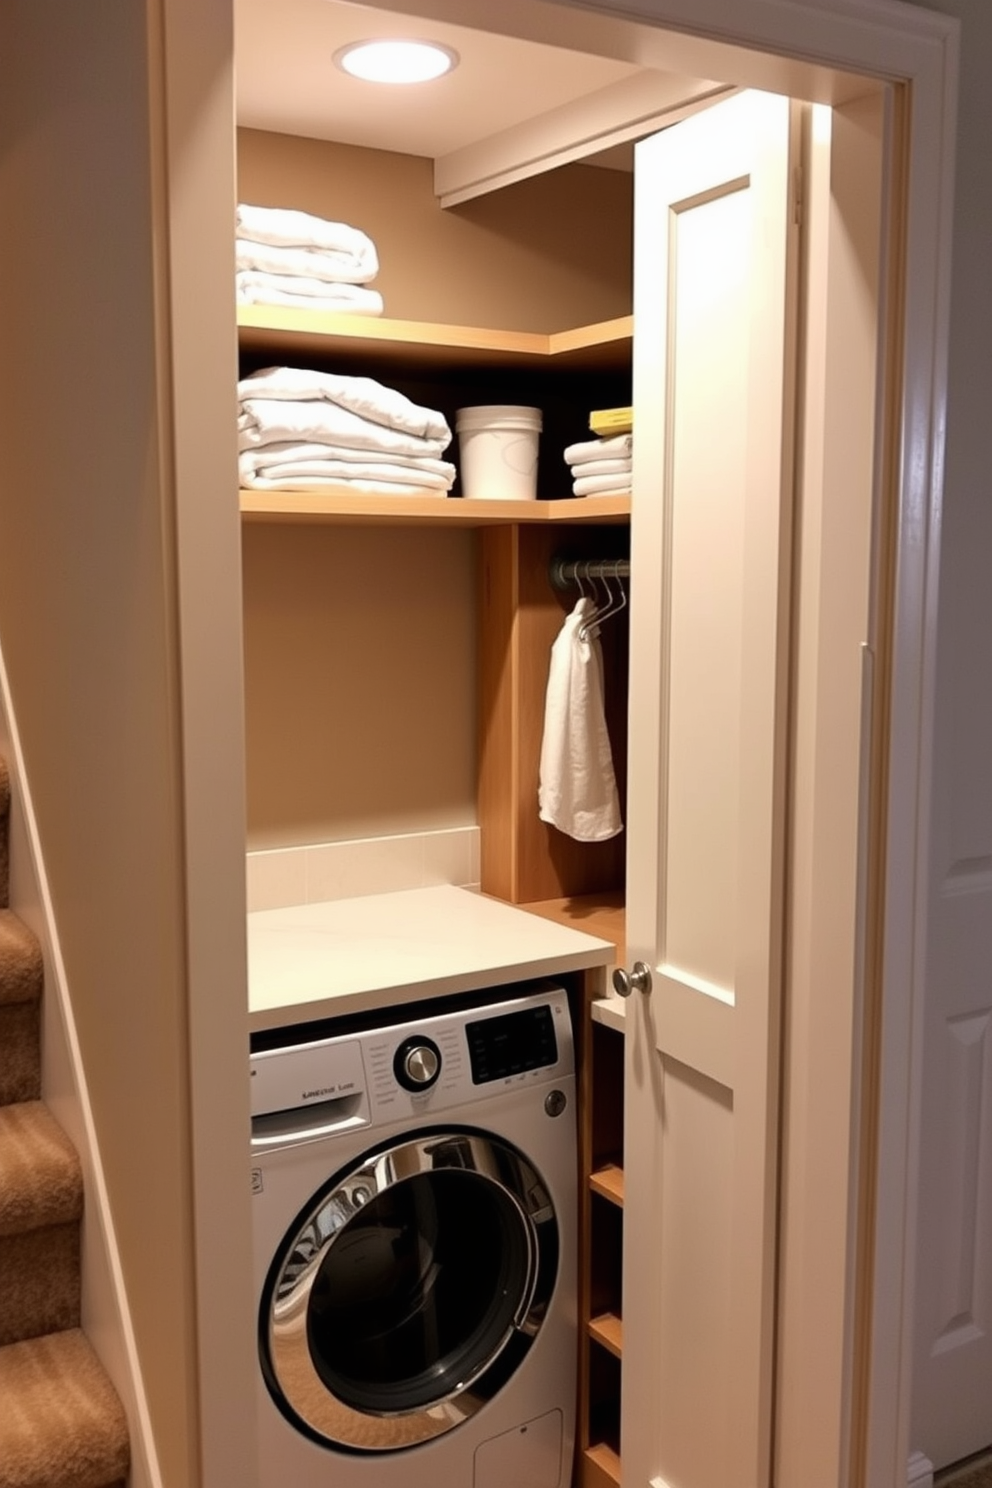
(577, 792)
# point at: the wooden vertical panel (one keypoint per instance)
(524, 859)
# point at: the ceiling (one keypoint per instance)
(286, 81)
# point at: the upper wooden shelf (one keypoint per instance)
(604, 346)
(347, 507)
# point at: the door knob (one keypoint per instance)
(638, 979)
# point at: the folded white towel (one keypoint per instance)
(259, 459)
(602, 467)
(278, 420)
(577, 791)
(344, 299)
(333, 264)
(599, 485)
(294, 229)
(365, 487)
(613, 491)
(343, 472)
(362, 395)
(619, 446)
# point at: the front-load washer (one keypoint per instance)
(414, 1217)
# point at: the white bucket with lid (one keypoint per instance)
(498, 451)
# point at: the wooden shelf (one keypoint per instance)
(596, 914)
(607, 1181)
(600, 1466)
(607, 1329)
(604, 346)
(347, 507)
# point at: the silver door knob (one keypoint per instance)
(638, 979)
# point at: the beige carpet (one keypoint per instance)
(977, 1473)
(61, 1423)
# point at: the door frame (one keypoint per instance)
(803, 47)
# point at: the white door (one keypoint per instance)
(711, 534)
(952, 1377)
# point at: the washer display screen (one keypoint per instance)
(511, 1044)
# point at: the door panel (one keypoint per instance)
(711, 540)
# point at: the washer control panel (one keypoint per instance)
(413, 1068)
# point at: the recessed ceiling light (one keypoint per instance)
(396, 61)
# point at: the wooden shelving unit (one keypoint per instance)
(345, 507)
(601, 347)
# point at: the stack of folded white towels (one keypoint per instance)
(601, 467)
(286, 257)
(298, 429)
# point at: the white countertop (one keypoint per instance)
(351, 955)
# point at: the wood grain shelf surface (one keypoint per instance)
(604, 345)
(607, 1181)
(600, 1466)
(607, 1329)
(596, 914)
(334, 504)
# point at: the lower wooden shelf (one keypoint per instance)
(607, 1181)
(600, 1466)
(607, 1329)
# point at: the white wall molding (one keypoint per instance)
(920, 1471)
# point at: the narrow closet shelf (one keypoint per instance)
(600, 1467)
(607, 1329)
(607, 1181)
(603, 346)
(334, 504)
(596, 914)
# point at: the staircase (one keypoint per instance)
(61, 1422)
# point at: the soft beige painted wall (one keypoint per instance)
(532, 257)
(359, 681)
(87, 618)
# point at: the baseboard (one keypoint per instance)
(106, 1317)
(919, 1472)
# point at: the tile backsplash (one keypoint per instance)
(280, 877)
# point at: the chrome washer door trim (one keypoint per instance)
(306, 1391)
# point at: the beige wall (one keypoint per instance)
(531, 257)
(88, 624)
(119, 595)
(360, 682)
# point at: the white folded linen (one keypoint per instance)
(295, 229)
(343, 472)
(599, 485)
(577, 791)
(332, 264)
(253, 288)
(269, 421)
(365, 487)
(602, 467)
(263, 456)
(618, 446)
(362, 395)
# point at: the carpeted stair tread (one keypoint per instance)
(21, 969)
(40, 1178)
(4, 816)
(61, 1425)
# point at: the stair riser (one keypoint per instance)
(39, 1282)
(20, 1052)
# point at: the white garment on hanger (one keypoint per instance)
(577, 792)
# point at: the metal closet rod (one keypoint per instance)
(566, 572)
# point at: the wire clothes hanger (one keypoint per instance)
(564, 573)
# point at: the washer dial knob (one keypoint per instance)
(417, 1063)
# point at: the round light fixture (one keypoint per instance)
(396, 61)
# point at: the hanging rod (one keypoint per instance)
(566, 572)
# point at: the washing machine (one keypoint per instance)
(414, 1216)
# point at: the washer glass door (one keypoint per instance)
(410, 1291)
